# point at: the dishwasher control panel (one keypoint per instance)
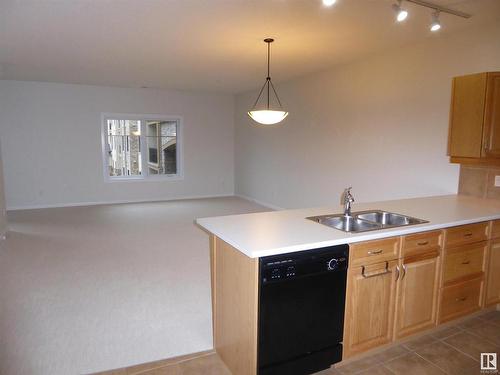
(304, 263)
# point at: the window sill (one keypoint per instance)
(163, 178)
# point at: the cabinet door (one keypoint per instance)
(417, 295)
(492, 117)
(369, 307)
(467, 116)
(493, 274)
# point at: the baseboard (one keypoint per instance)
(265, 204)
(156, 365)
(103, 203)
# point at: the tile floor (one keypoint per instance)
(453, 350)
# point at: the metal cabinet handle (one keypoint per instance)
(466, 262)
(397, 273)
(462, 299)
(385, 272)
(404, 272)
(375, 252)
(423, 243)
(468, 234)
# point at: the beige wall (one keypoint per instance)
(379, 125)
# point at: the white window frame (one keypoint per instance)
(145, 176)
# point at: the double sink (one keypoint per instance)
(366, 220)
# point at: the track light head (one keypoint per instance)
(401, 14)
(435, 24)
(329, 3)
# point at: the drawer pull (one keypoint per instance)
(468, 234)
(423, 243)
(466, 262)
(385, 272)
(462, 299)
(375, 252)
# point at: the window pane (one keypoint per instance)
(124, 148)
(162, 147)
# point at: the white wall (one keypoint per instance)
(3, 213)
(51, 143)
(379, 125)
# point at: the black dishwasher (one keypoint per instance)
(301, 310)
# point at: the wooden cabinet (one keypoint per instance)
(466, 234)
(393, 298)
(464, 262)
(495, 229)
(492, 295)
(376, 251)
(418, 283)
(369, 306)
(421, 243)
(464, 266)
(417, 294)
(460, 299)
(491, 136)
(474, 135)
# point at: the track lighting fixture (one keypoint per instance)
(435, 24)
(401, 14)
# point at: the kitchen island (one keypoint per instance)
(387, 270)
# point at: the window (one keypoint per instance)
(138, 147)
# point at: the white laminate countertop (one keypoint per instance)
(278, 232)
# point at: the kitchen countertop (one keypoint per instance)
(278, 232)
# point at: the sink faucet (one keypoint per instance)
(348, 199)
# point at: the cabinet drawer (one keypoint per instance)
(460, 299)
(420, 243)
(465, 234)
(463, 261)
(370, 252)
(495, 229)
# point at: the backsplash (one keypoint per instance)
(479, 181)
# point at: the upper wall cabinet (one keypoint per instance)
(475, 119)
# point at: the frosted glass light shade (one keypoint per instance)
(267, 116)
(329, 3)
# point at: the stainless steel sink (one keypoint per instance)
(366, 220)
(348, 223)
(389, 218)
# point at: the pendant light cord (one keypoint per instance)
(268, 82)
(269, 60)
(268, 79)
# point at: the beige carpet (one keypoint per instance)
(87, 289)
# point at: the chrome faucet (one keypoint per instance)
(348, 200)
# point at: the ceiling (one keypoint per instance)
(204, 45)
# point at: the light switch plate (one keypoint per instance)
(497, 180)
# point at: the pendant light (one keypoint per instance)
(267, 115)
